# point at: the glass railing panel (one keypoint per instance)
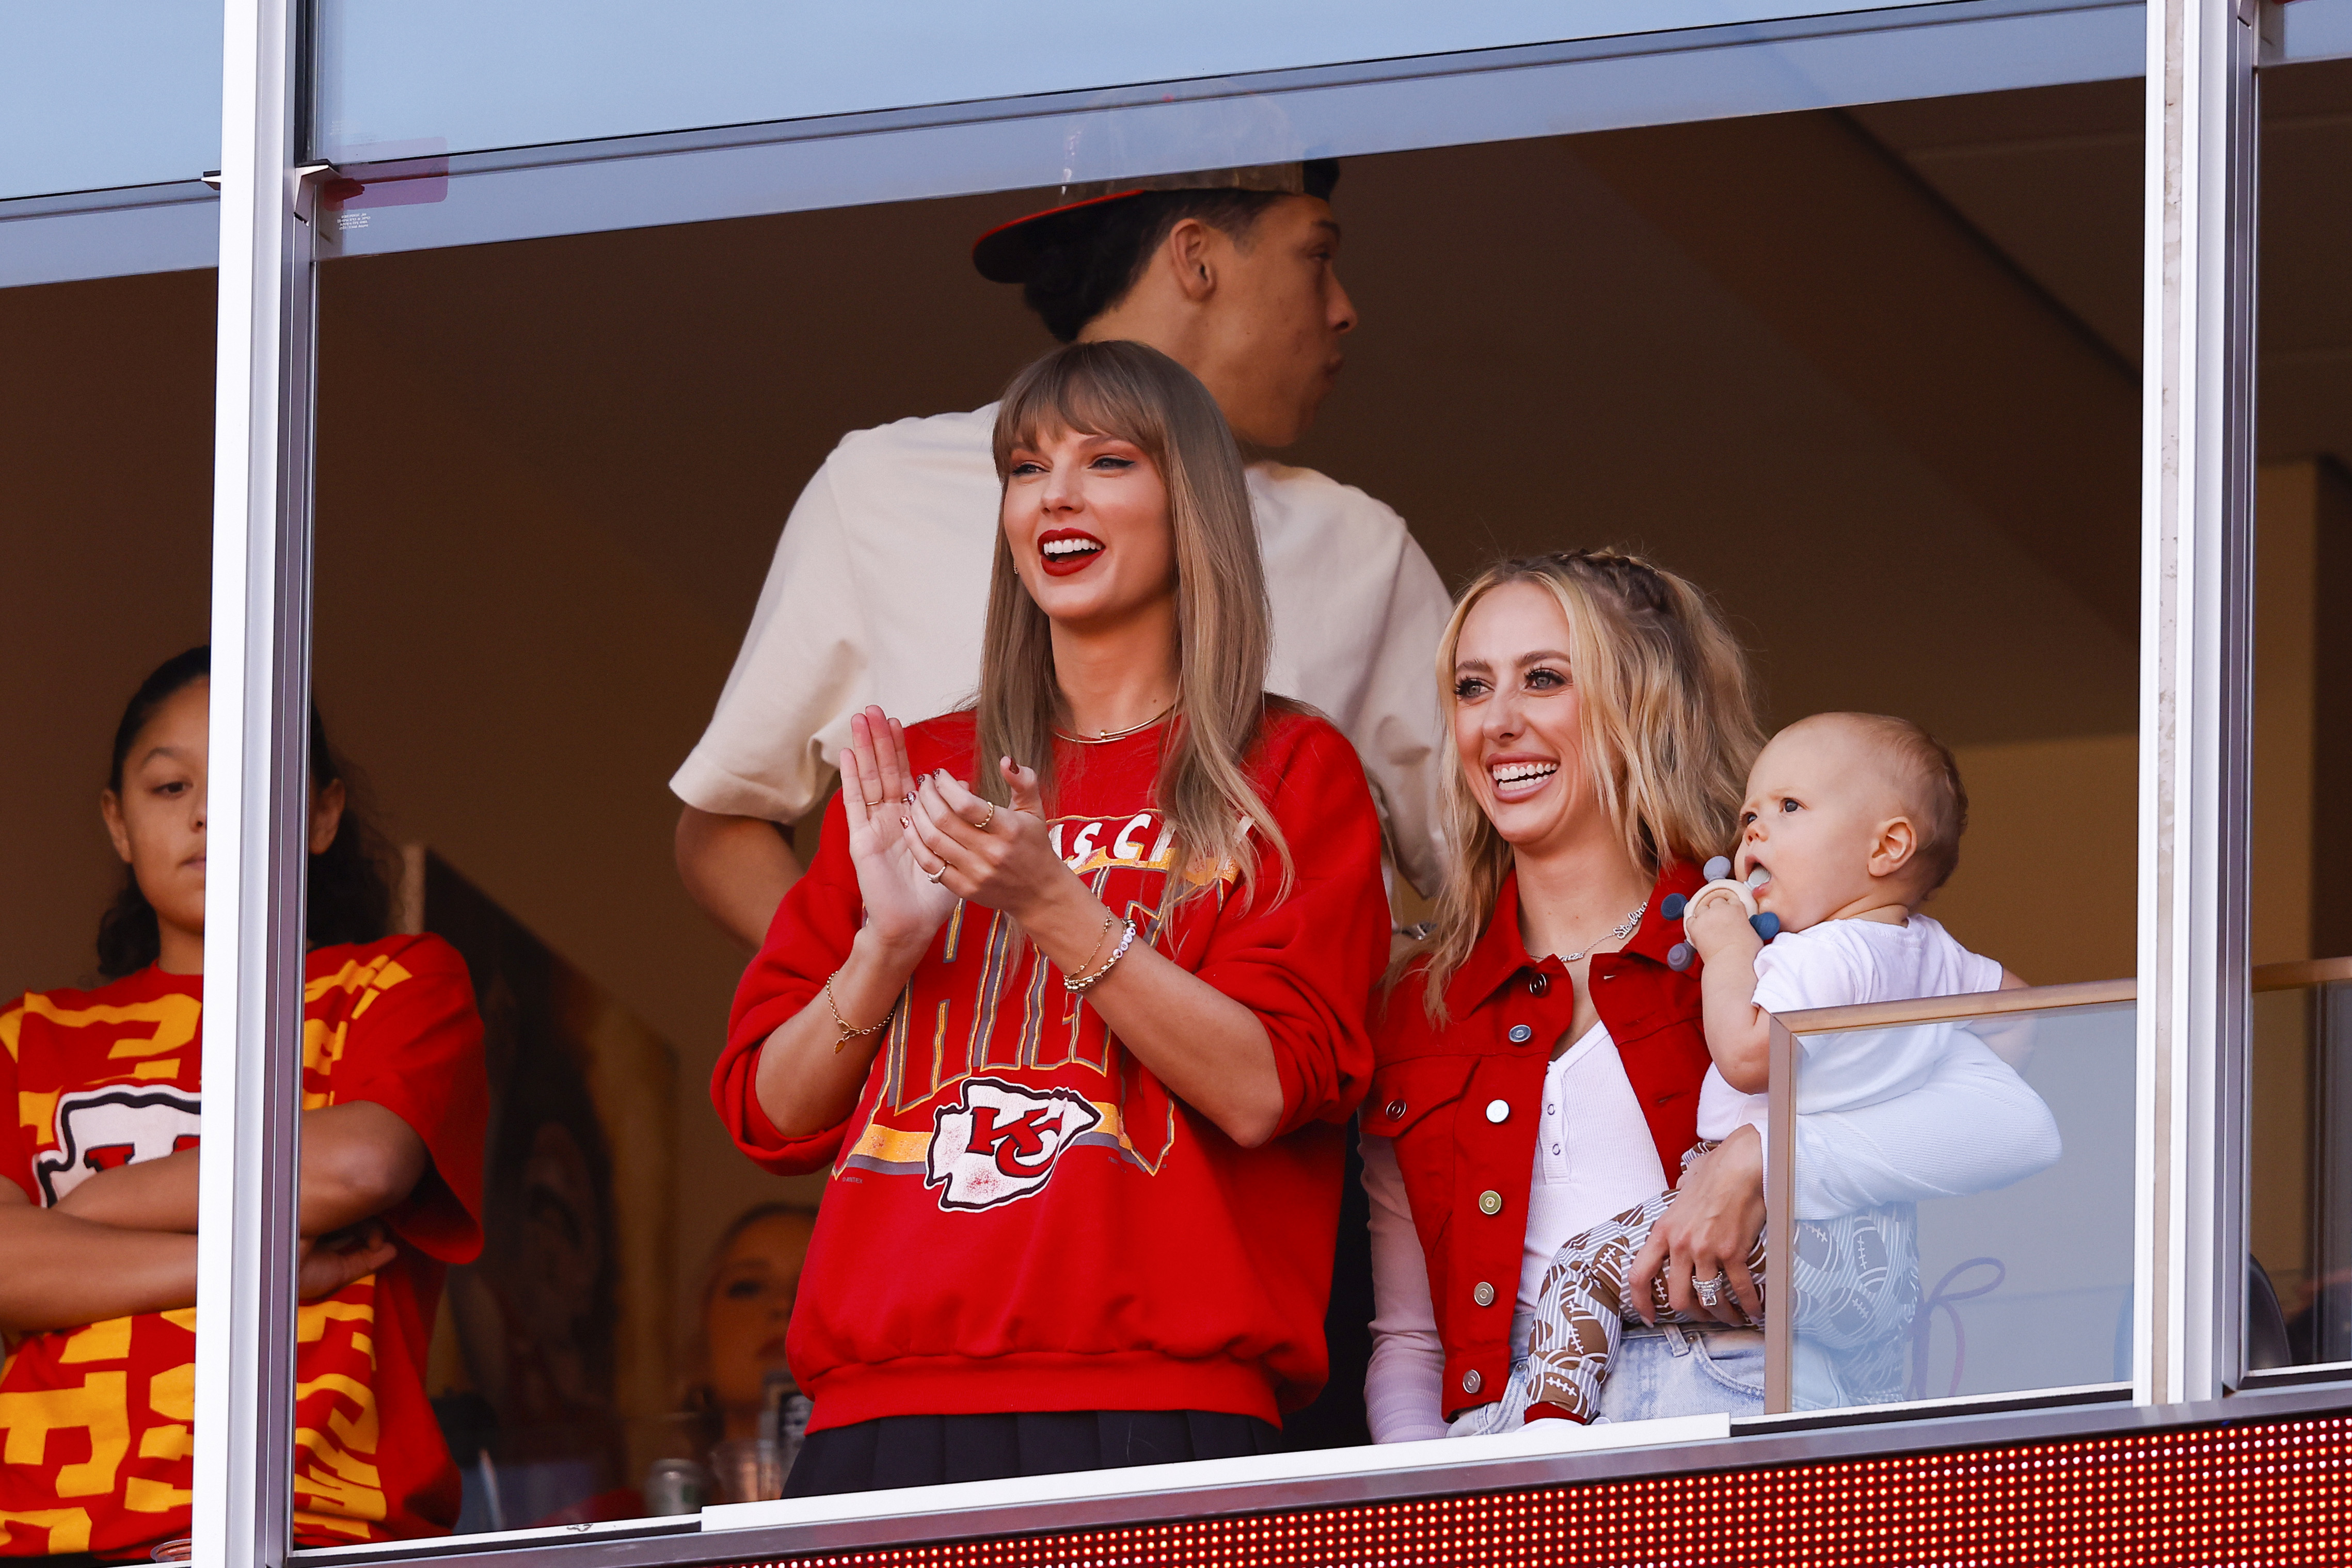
(1958, 1178)
(2298, 1309)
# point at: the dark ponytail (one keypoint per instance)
(349, 895)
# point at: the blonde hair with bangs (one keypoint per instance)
(1224, 631)
(1669, 727)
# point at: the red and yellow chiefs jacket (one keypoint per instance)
(1021, 1218)
(97, 1419)
(1468, 1178)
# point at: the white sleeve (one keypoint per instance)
(1399, 726)
(1404, 1390)
(800, 667)
(1975, 1126)
(1816, 967)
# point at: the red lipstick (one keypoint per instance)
(1062, 552)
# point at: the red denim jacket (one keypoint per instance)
(1467, 1174)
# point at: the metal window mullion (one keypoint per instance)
(258, 810)
(2194, 698)
(1780, 1230)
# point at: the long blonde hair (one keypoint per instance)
(1669, 729)
(1222, 623)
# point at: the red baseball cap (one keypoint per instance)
(1010, 252)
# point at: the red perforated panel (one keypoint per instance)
(2240, 1495)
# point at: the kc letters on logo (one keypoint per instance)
(999, 1140)
(98, 1129)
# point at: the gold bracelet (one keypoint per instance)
(847, 1033)
(1117, 953)
(1108, 921)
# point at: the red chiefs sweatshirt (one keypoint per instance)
(1020, 1218)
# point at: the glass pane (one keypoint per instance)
(1864, 375)
(2314, 30)
(2010, 1270)
(447, 76)
(106, 477)
(95, 96)
(413, 199)
(2299, 1227)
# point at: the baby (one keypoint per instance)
(1851, 822)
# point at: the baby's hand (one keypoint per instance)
(1718, 926)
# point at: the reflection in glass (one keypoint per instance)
(1999, 1256)
(548, 1378)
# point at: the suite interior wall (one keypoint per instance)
(106, 439)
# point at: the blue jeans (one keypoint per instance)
(1653, 1375)
(1656, 1372)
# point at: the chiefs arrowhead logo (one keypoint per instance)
(1000, 1142)
(98, 1129)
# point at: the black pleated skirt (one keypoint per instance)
(928, 1450)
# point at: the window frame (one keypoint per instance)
(2194, 732)
(1697, 73)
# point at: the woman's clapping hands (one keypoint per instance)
(920, 843)
(903, 905)
(1000, 857)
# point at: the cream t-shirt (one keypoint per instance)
(879, 593)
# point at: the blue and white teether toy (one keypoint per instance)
(1681, 955)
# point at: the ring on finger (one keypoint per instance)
(1710, 1291)
(933, 876)
(986, 817)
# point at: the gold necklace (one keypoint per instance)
(1107, 736)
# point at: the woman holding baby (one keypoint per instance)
(1541, 1063)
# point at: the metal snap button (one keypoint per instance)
(1490, 1202)
(1472, 1382)
(1538, 983)
(1483, 1293)
(1520, 1034)
(1499, 1110)
(1396, 1110)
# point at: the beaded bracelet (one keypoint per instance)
(1083, 981)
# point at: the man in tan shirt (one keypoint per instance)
(879, 586)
